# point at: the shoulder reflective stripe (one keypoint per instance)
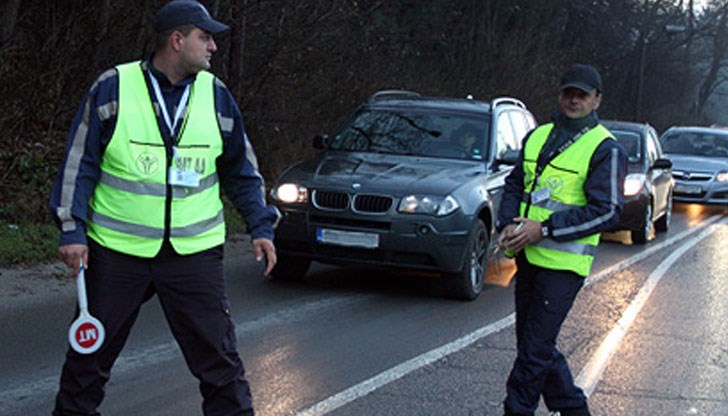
(108, 110)
(568, 247)
(226, 123)
(133, 187)
(125, 227)
(197, 228)
(70, 172)
(206, 183)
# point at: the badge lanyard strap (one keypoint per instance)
(171, 124)
(554, 153)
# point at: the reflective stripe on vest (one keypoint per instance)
(127, 208)
(564, 176)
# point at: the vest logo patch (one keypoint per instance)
(555, 184)
(147, 163)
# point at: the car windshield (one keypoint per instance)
(423, 133)
(696, 143)
(631, 142)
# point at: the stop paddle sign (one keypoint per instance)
(86, 333)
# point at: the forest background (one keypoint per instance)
(299, 67)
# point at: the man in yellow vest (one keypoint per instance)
(137, 200)
(564, 191)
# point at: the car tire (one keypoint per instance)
(663, 224)
(643, 235)
(468, 283)
(290, 268)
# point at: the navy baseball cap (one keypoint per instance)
(178, 13)
(583, 77)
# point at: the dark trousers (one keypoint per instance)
(191, 290)
(543, 299)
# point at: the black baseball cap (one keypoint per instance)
(178, 13)
(583, 77)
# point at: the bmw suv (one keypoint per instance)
(409, 182)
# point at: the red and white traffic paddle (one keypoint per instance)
(86, 333)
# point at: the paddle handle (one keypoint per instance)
(81, 288)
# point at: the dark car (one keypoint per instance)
(409, 182)
(649, 185)
(700, 163)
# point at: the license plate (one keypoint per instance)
(688, 189)
(347, 238)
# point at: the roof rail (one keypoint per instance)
(506, 100)
(384, 94)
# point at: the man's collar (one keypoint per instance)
(164, 81)
(563, 122)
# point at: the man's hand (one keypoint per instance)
(517, 236)
(71, 255)
(264, 246)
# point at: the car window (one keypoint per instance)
(506, 136)
(521, 126)
(696, 143)
(630, 140)
(652, 151)
(655, 140)
(450, 135)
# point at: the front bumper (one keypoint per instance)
(406, 241)
(702, 192)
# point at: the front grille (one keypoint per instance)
(691, 176)
(330, 200)
(372, 203)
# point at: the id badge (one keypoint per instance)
(541, 195)
(186, 178)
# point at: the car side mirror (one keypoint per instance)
(510, 157)
(321, 141)
(662, 163)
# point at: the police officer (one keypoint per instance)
(565, 189)
(137, 199)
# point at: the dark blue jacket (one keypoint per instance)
(604, 186)
(93, 127)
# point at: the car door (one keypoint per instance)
(661, 177)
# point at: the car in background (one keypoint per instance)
(409, 182)
(700, 163)
(648, 187)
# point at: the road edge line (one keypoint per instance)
(371, 384)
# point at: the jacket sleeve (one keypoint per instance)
(80, 168)
(604, 189)
(238, 168)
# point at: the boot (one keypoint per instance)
(576, 411)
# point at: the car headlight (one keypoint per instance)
(291, 193)
(633, 184)
(722, 176)
(428, 204)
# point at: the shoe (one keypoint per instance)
(576, 411)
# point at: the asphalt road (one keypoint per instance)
(373, 342)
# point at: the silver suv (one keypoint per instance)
(409, 182)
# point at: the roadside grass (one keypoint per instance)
(23, 244)
(27, 243)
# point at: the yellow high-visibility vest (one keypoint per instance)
(564, 176)
(127, 209)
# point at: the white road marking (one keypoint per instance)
(367, 386)
(592, 372)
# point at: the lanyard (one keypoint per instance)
(163, 105)
(555, 152)
(551, 156)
